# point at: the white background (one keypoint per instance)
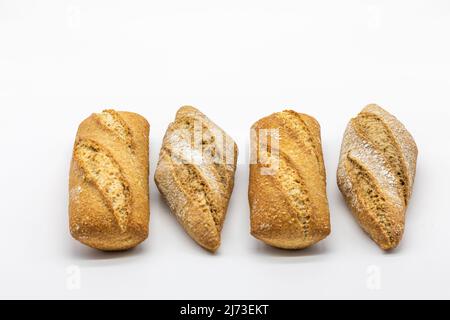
(237, 61)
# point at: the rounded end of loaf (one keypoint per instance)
(211, 246)
(386, 244)
(372, 107)
(291, 244)
(268, 120)
(292, 241)
(108, 241)
(129, 114)
(203, 231)
(311, 121)
(388, 247)
(386, 241)
(186, 110)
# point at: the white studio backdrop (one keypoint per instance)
(237, 61)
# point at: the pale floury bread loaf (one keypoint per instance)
(287, 191)
(376, 173)
(109, 186)
(195, 175)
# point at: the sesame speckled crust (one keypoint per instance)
(122, 138)
(289, 208)
(374, 188)
(196, 188)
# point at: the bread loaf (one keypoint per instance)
(108, 184)
(376, 173)
(287, 191)
(195, 175)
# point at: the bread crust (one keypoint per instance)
(197, 188)
(376, 173)
(108, 183)
(289, 208)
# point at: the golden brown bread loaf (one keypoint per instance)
(195, 174)
(108, 187)
(376, 173)
(287, 192)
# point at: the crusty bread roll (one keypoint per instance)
(109, 189)
(195, 175)
(287, 192)
(376, 173)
